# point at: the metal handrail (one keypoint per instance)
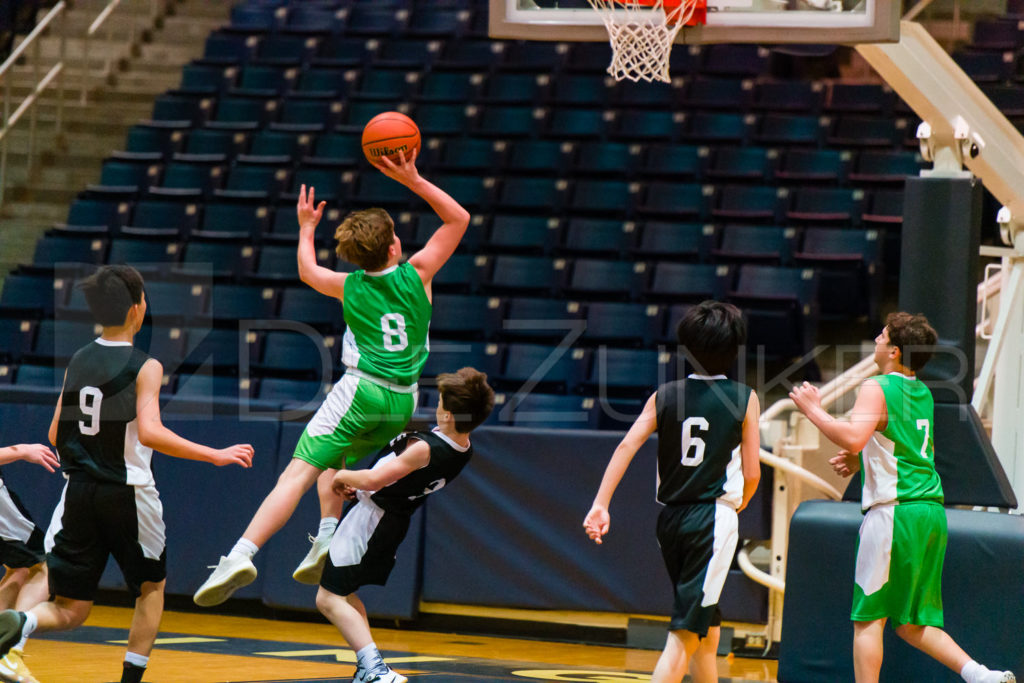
(57, 70)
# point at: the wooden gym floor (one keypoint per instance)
(203, 648)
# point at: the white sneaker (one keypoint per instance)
(360, 676)
(232, 573)
(386, 676)
(1005, 677)
(13, 668)
(312, 565)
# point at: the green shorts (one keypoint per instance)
(358, 417)
(899, 564)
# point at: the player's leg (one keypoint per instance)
(236, 569)
(10, 587)
(149, 609)
(365, 418)
(671, 666)
(35, 590)
(704, 662)
(867, 650)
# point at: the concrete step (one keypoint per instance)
(79, 176)
(32, 213)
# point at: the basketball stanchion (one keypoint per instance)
(641, 33)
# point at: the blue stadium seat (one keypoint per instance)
(535, 56)
(266, 180)
(717, 127)
(735, 60)
(57, 340)
(463, 155)
(218, 349)
(200, 385)
(162, 215)
(527, 274)
(544, 320)
(863, 131)
(122, 172)
(764, 244)
(675, 200)
(299, 356)
(162, 137)
(236, 218)
(678, 241)
(148, 256)
(788, 129)
(315, 20)
(260, 80)
(542, 195)
(181, 108)
(462, 316)
(814, 166)
(524, 234)
(824, 206)
(780, 306)
(328, 82)
(885, 166)
(439, 22)
(97, 215)
(229, 48)
(622, 324)
(850, 266)
(689, 281)
(293, 390)
(231, 303)
(884, 207)
(311, 113)
(199, 177)
(247, 111)
(742, 164)
(449, 356)
(414, 55)
(166, 343)
(603, 197)
(513, 88)
(794, 96)
(627, 372)
(220, 259)
(310, 307)
(347, 51)
(277, 264)
(442, 119)
(366, 21)
(207, 79)
(717, 93)
(473, 192)
(176, 301)
(867, 98)
(543, 368)
(582, 90)
(16, 337)
(512, 121)
(449, 86)
(55, 250)
(997, 34)
(682, 162)
(548, 411)
(227, 143)
(256, 18)
(606, 159)
(646, 95)
(41, 376)
(607, 280)
(641, 124)
(283, 49)
(472, 55)
(387, 84)
(537, 157)
(748, 203)
(590, 58)
(461, 273)
(376, 189)
(612, 238)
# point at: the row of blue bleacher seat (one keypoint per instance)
(268, 160)
(515, 121)
(232, 214)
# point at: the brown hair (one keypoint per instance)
(364, 237)
(913, 336)
(467, 396)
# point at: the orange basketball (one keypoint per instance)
(388, 134)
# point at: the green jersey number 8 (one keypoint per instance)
(393, 326)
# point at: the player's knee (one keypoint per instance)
(909, 632)
(324, 600)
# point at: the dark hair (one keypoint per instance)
(711, 333)
(364, 237)
(110, 292)
(467, 396)
(914, 336)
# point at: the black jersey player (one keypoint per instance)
(106, 426)
(708, 470)
(413, 466)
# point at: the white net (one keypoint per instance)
(641, 35)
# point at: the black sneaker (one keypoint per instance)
(11, 624)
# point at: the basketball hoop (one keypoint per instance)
(641, 33)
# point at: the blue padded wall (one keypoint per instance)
(982, 594)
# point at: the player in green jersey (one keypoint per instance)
(902, 541)
(387, 307)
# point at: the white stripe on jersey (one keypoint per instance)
(150, 514)
(137, 458)
(14, 526)
(879, 471)
(349, 349)
(328, 416)
(56, 522)
(723, 550)
(350, 540)
(732, 488)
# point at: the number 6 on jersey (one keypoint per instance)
(690, 440)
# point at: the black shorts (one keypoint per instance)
(95, 520)
(363, 549)
(698, 542)
(21, 541)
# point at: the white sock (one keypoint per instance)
(136, 659)
(368, 657)
(31, 622)
(973, 672)
(245, 548)
(327, 527)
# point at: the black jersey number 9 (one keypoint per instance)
(89, 401)
(692, 442)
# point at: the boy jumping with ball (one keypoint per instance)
(902, 541)
(387, 307)
(708, 470)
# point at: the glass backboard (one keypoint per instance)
(728, 21)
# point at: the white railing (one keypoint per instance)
(157, 8)
(41, 83)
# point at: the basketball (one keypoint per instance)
(388, 134)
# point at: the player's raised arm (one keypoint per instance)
(415, 457)
(323, 280)
(853, 433)
(442, 244)
(153, 434)
(598, 520)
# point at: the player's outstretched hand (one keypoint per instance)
(404, 172)
(308, 212)
(845, 463)
(239, 454)
(596, 523)
(806, 397)
(342, 487)
(38, 454)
